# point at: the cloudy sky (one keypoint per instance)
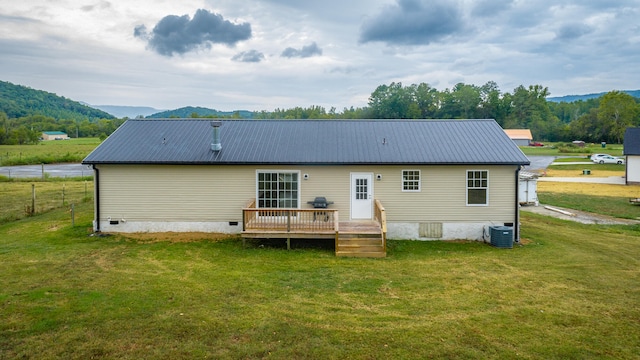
(262, 55)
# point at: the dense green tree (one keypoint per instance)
(585, 127)
(616, 112)
(426, 100)
(4, 127)
(391, 102)
(463, 102)
(493, 104)
(355, 113)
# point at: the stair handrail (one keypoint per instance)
(381, 217)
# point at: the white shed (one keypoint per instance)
(528, 188)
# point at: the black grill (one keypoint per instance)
(320, 202)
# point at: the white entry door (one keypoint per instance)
(361, 196)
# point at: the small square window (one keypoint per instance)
(477, 187)
(410, 180)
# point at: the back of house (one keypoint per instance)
(435, 179)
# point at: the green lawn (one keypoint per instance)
(572, 159)
(607, 205)
(571, 291)
(591, 166)
(16, 195)
(47, 152)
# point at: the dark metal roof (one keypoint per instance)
(632, 141)
(188, 141)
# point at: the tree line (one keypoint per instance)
(29, 129)
(593, 120)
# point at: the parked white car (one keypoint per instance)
(608, 159)
(595, 156)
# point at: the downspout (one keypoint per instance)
(516, 224)
(96, 184)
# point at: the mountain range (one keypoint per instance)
(190, 111)
(130, 112)
(133, 112)
(18, 101)
(572, 98)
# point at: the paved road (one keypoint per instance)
(53, 170)
(539, 162)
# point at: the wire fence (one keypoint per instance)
(22, 199)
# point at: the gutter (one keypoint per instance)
(516, 224)
(303, 163)
(96, 184)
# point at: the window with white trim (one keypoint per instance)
(410, 180)
(278, 189)
(477, 187)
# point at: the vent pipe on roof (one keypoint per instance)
(216, 145)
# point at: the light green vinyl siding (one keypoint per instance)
(219, 192)
(442, 197)
(175, 193)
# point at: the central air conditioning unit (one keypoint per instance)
(501, 236)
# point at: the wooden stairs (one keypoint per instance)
(363, 241)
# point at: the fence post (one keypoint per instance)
(42, 171)
(73, 216)
(33, 199)
(62, 194)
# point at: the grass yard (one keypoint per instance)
(47, 152)
(612, 200)
(572, 159)
(570, 291)
(597, 170)
(16, 196)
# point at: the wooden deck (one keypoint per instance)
(352, 238)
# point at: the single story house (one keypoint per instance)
(522, 137)
(54, 135)
(632, 153)
(414, 179)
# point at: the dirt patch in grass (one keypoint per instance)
(181, 237)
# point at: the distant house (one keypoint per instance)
(522, 137)
(632, 154)
(409, 179)
(54, 135)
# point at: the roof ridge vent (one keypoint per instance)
(216, 145)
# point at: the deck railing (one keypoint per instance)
(289, 219)
(381, 217)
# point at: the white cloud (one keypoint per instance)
(87, 50)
